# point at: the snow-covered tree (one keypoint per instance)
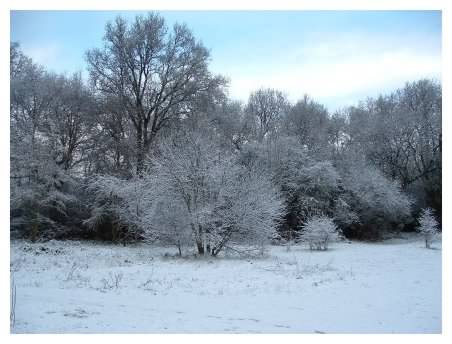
(153, 71)
(38, 186)
(318, 231)
(401, 134)
(428, 226)
(308, 185)
(248, 210)
(266, 107)
(344, 215)
(378, 201)
(308, 121)
(220, 172)
(233, 124)
(224, 202)
(48, 205)
(70, 120)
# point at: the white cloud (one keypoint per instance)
(44, 54)
(343, 68)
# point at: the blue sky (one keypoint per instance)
(337, 57)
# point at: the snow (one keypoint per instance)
(355, 287)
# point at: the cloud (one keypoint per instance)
(45, 54)
(343, 68)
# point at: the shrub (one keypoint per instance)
(120, 207)
(428, 226)
(379, 202)
(319, 231)
(220, 201)
(48, 207)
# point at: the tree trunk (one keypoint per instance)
(200, 246)
(114, 232)
(140, 151)
(179, 248)
(289, 243)
(34, 230)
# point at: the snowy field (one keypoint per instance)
(74, 287)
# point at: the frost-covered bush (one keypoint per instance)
(219, 200)
(307, 183)
(170, 223)
(344, 215)
(249, 209)
(46, 206)
(428, 226)
(121, 208)
(319, 231)
(379, 202)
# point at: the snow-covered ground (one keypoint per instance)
(73, 287)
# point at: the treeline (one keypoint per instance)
(152, 148)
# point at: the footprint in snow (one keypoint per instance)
(283, 326)
(77, 313)
(215, 317)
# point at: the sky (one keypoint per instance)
(336, 57)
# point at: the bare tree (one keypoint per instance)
(401, 134)
(154, 73)
(18, 61)
(70, 120)
(30, 101)
(112, 144)
(308, 121)
(267, 106)
(231, 121)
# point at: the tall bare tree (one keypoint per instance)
(153, 71)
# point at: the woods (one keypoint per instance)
(151, 148)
